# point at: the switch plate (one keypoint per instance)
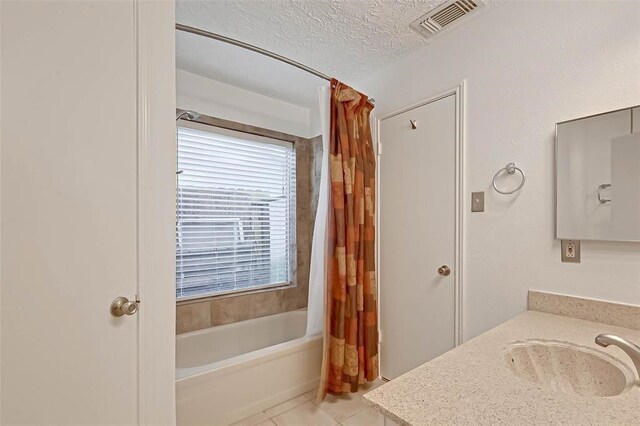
(570, 251)
(477, 201)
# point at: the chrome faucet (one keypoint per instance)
(629, 348)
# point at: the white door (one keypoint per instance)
(417, 235)
(68, 212)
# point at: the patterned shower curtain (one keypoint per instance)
(351, 323)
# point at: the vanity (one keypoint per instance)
(541, 367)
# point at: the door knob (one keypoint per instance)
(444, 270)
(123, 306)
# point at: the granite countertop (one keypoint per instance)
(471, 384)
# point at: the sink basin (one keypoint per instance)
(563, 366)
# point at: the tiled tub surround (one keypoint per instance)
(471, 384)
(209, 312)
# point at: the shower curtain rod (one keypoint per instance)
(214, 36)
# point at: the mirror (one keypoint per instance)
(598, 177)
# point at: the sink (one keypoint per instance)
(570, 368)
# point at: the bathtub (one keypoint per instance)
(229, 372)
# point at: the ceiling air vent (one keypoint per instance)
(445, 16)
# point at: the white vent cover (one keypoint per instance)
(445, 16)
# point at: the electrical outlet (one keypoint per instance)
(477, 201)
(570, 251)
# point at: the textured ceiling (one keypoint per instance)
(345, 39)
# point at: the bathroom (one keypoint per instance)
(173, 251)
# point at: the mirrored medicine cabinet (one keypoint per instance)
(598, 177)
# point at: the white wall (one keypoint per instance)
(156, 211)
(0, 213)
(220, 100)
(527, 66)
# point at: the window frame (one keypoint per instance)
(263, 137)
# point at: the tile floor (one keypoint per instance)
(345, 410)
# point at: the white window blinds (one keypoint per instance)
(235, 227)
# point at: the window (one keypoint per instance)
(235, 225)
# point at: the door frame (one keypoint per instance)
(459, 93)
(154, 24)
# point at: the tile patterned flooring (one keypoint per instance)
(344, 410)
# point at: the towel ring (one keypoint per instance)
(510, 169)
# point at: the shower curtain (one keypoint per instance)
(350, 320)
(320, 241)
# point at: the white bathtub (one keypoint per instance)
(229, 372)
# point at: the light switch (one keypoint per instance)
(477, 201)
(570, 251)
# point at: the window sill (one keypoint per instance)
(206, 298)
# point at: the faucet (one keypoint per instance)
(629, 348)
